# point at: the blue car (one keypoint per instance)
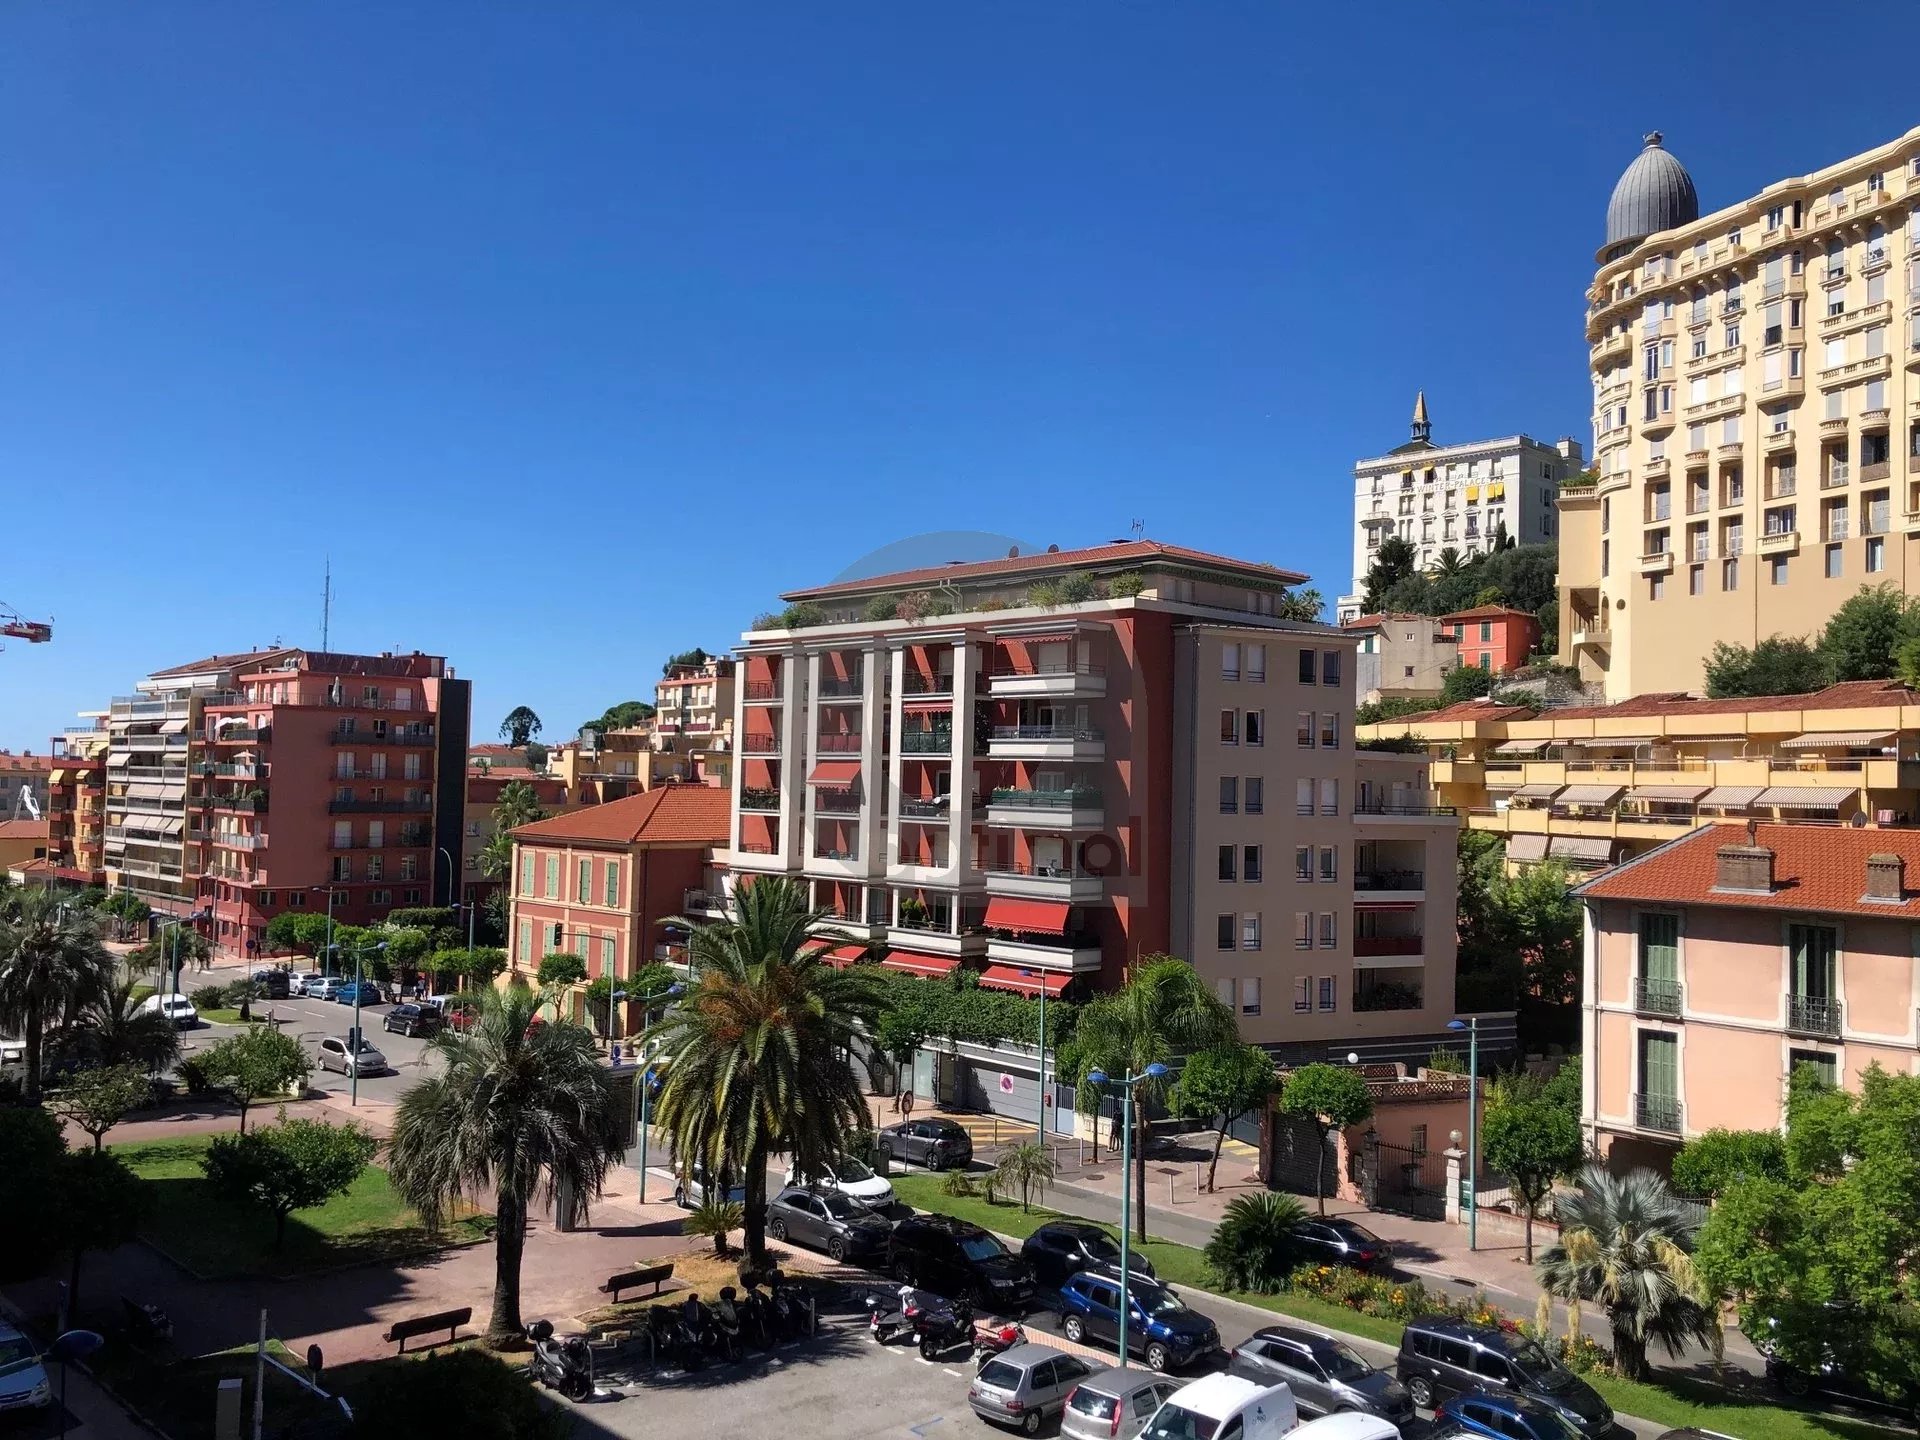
(1503, 1417)
(1160, 1329)
(368, 992)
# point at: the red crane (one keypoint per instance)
(34, 632)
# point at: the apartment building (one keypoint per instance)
(1594, 785)
(77, 817)
(484, 783)
(1075, 759)
(1721, 961)
(1799, 357)
(1495, 638)
(1462, 496)
(1401, 657)
(693, 716)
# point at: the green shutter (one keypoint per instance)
(1659, 1066)
(1814, 948)
(1660, 949)
(613, 883)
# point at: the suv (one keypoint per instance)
(411, 1019)
(273, 983)
(960, 1261)
(1440, 1357)
(1160, 1327)
(1061, 1249)
(1325, 1375)
(936, 1144)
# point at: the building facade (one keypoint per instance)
(693, 717)
(1732, 354)
(1074, 760)
(1401, 657)
(1718, 963)
(1463, 497)
(77, 818)
(1493, 637)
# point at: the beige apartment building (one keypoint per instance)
(1718, 963)
(1756, 379)
(1401, 657)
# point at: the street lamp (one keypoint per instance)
(647, 1081)
(171, 924)
(353, 1076)
(1472, 1026)
(614, 997)
(329, 893)
(73, 1345)
(1155, 1071)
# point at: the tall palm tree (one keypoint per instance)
(518, 805)
(520, 1107)
(51, 963)
(1626, 1244)
(1449, 561)
(1165, 1009)
(496, 859)
(124, 1034)
(758, 1051)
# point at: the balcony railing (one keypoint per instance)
(1384, 807)
(1080, 797)
(376, 807)
(831, 689)
(1810, 1015)
(755, 847)
(939, 807)
(836, 802)
(1389, 880)
(839, 744)
(916, 683)
(392, 737)
(237, 734)
(1044, 872)
(1657, 1112)
(1008, 669)
(764, 743)
(243, 804)
(1389, 944)
(925, 742)
(1044, 732)
(1656, 997)
(755, 798)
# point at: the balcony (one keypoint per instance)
(836, 802)
(916, 682)
(1657, 1112)
(1063, 678)
(1058, 955)
(1045, 882)
(833, 690)
(1808, 1015)
(936, 936)
(231, 772)
(705, 903)
(761, 692)
(839, 744)
(242, 735)
(763, 743)
(1658, 563)
(1394, 812)
(1610, 348)
(1878, 470)
(1395, 945)
(1779, 542)
(937, 809)
(756, 801)
(1080, 808)
(1656, 997)
(368, 737)
(1778, 439)
(1597, 637)
(926, 742)
(1045, 742)
(380, 807)
(239, 804)
(1382, 885)
(1870, 368)
(235, 840)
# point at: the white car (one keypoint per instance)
(1224, 1405)
(297, 984)
(23, 1378)
(852, 1179)
(336, 1055)
(323, 987)
(176, 1007)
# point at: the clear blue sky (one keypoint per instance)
(575, 332)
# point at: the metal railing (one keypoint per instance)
(920, 808)
(917, 683)
(368, 737)
(1813, 1015)
(836, 802)
(1008, 669)
(764, 743)
(839, 744)
(1044, 732)
(1043, 872)
(1381, 807)
(926, 742)
(1657, 997)
(753, 797)
(761, 691)
(1080, 797)
(834, 689)
(244, 804)
(1657, 1112)
(1389, 880)
(375, 807)
(238, 734)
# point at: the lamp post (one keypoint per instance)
(614, 997)
(1041, 1118)
(1472, 1026)
(646, 1075)
(329, 894)
(71, 1346)
(1155, 1071)
(353, 1079)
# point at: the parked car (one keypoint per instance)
(1224, 1407)
(367, 992)
(1505, 1417)
(1339, 1241)
(852, 1178)
(337, 1054)
(690, 1190)
(1161, 1329)
(1114, 1404)
(323, 987)
(1833, 1378)
(1347, 1425)
(961, 1261)
(825, 1220)
(457, 1012)
(1443, 1356)
(23, 1378)
(936, 1144)
(1325, 1375)
(1060, 1250)
(176, 1007)
(411, 1019)
(272, 983)
(298, 983)
(1026, 1386)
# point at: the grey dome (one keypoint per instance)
(1654, 194)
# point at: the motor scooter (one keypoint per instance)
(989, 1341)
(939, 1328)
(562, 1365)
(891, 1318)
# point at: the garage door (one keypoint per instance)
(1013, 1093)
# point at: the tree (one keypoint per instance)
(254, 1064)
(519, 804)
(126, 910)
(1710, 1165)
(113, 1029)
(715, 1219)
(756, 1051)
(496, 856)
(1526, 577)
(1541, 921)
(1306, 606)
(406, 947)
(560, 968)
(1533, 1144)
(177, 943)
(493, 1401)
(1861, 640)
(624, 716)
(520, 726)
(1332, 1097)
(1626, 1245)
(1465, 682)
(1219, 1085)
(1256, 1245)
(1027, 1167)
(304, 930)
(521, 1107)
(100, 1203)
(51, 964)
(695, 656)
(1163, 1010)
(1776, 666)
(35, 1148)
(1392, 563)
(98, 1100)
(294, 1165)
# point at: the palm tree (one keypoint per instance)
(123, 1033)
(1626, 1244)
(496, 859)
(757, 1052)
(1165, 1009)
(518, 805)
(51, 963)
(1449, 561)
(524, 1108)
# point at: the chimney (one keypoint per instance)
(1746, 868)
(1886, 879)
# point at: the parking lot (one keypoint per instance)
(310, 1021)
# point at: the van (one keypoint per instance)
(1224, 1407)
(1348, 1425)
(1443, 1356)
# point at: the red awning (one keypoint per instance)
(1027, 982)
(927, 702)
(840, 956)
(931, 966)
(835, 774)
(1032, 917)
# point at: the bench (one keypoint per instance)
(450, 1321)
(654, 1275)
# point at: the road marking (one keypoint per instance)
(925, 1425)
(949, 1370)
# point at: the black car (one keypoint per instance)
(411, 1019)
(273, 983)
(960, 1261)
(936, 1144)
(1338, 1241)
(1835, 1381)
(1066, 1247)
(825, 1220)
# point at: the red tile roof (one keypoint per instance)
(245, 658)
(1367, 622)
(494, 752)
(1489, 612)
(35, 763)
(24, 829)
(1466, 710)
(1819, 869)
(1116, 552)
(670, 814)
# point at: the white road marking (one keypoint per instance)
(949, 1370)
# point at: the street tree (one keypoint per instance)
(294, 1165)
(560, 967)
(51, 964)
(1220, 1085)
(1708, 1166)
(113, 1029)
(258, 1063)
(100, 1204)
(1332, 1097)
(1028, 1168)
(99, 1099)
(1534, 1144)
(520, 726)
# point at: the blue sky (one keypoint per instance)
(574, 333)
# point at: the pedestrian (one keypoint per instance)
(906, 1104)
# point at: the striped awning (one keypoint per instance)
(1024, 981)
(1536, 792)
(835, 774)
(1526, 849)
(118, 758)
(1521, 747)
(931, 966)
(1612, 742)
(840, 956)
(1032, 917)
(1580, 849)
(1731, 797)
(1684, 794)
(1589, 795)
(1837, 739)
(1805, 797)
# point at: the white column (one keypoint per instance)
(1589, 1029)
(960, 809)
(896, 710)
(873, 721)
(796, 749)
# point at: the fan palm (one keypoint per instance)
(51, 963)
(1256, 1245)
(757, 1052)
(123, 1033)
(1449, 561)
(518, 805)
(1626, 1244)
(521, 1107)
(1165, 1009)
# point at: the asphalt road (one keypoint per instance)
(311, 1021)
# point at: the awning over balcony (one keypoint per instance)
(1526, 849)
(1536, 792)
(914, 703)
(1805, 797)
(1838, 739)
(1589, 795)
(118, 758)
(1612, 742)
(1731, 797)
(835, 774)
(841, 956)
(58, 777)
(1580, 849)
(1032, 917)
(1366, 902)
(173, 727)
(1685, 794)
(1521, 747)
(1026, 982)
(931, 966)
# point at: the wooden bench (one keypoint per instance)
(654, 1275)
(450, 1321)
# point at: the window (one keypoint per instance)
(1255, 658)
(1660, 961)
(1229, 662)
(1302, 998)
(410, 767)
(613, 883)
(1307, 667)
(1417, 1140)
(1327, 994)
(1329, 930)
(1250, 862)
(1329, 862)
(1814, 949)
(1697, 580)
(1249, 932)
(1226, 862)
(552, 887)
(1303, 730)
(1777, 570)
(1223, 932)
(376, 867)
(1330, 667)
(1330, 731)
(1224, 987)
(1834, 565)
(1256, 726)
(1303, 930)
(583, 883)
(1821, 1060)
(1329, 797)
(342, 868)
(1256, 795)
(1250, 996)
(526, 873)
(1229, 794)
(408, 866)
(1657, 587)
(1229, 727)
(1876, 555)
(1303, 796)
(1729, 574)
(1303, 862)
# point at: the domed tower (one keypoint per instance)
(1655, 193)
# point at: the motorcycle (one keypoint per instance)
(565, 1365)
(673, 1341)
(938, 1328)
(756, 1319)
(726, 1323)
(891, 1319)
(145, 1322)
(796, 1320)
(992, 1341)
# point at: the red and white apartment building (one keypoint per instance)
(1067, 761)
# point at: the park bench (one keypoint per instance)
(450, 1321)
(654, 1275)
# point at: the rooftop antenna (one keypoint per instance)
(1139, 528)
(326, 607)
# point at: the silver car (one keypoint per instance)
(23, 1379)
(1325, 1375)
(1114, 1404)
(1026, 1386)
(336, 1054)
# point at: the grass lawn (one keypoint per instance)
(139, 993)
(228, 1015)
(217, 1239)
(1675, 1401)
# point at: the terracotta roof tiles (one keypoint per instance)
(1120, 551)
(1488, 612)
(668, 815)
(1818, 869)
(24, 829)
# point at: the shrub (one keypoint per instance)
(242, 992)
(958, 1184)
(882, 607)
(1255, 1245)
(1126, 583)
(1077, 589)
(209, 997)
(715, 1218)
(493, 1401)
(193, 1074)
(1708, 1165)
(1027, 1168)
(802, 615)
(1044, 594)
(1447, 1062)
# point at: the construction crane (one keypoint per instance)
(34, 632)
